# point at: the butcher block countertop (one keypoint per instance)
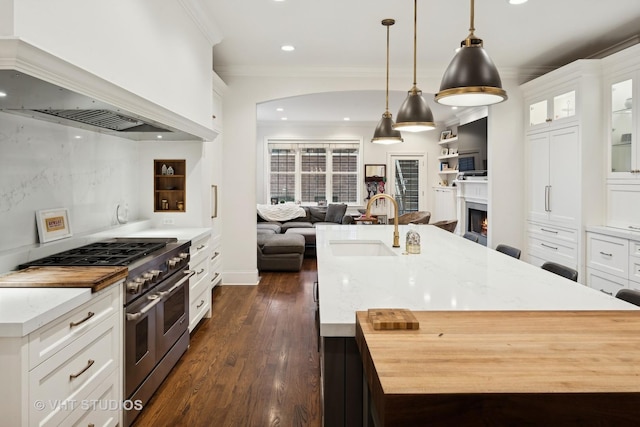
(505, 368)
(32, 297)
(96, 278)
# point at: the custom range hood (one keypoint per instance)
(41, 86)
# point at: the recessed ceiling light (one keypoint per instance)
(346, 119)
(454, 108)
(279, 109)
(159, 136)
(2, 94)
(283, 118)
(517, 1)
(77, 137)
(288, 48)
(278, 1)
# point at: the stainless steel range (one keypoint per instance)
(156, 305)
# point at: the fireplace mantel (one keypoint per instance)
(470, 191)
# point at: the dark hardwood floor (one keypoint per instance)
(253, 363)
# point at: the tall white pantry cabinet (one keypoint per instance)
(564, 152)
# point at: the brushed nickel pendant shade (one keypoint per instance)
(414, 114)
(472, 78)
(384, 133)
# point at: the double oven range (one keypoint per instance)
(156, 306)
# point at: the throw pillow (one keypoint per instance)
(335, 213)
(317, 214)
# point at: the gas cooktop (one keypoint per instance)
(118, 252)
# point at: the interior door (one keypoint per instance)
(407, 182)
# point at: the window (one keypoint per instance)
(312, 172)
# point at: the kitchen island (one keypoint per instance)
(450, 273)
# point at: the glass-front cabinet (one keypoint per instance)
(553, 110)
(624, 161)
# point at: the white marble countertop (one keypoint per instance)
(23, 310)
(450, 273)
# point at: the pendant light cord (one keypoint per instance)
(386, 105)
(471, 21)
(415, 39)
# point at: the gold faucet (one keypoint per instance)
(396, 235)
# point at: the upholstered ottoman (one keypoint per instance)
(280, 252)
(309, 234)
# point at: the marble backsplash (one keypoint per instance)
(45, 165)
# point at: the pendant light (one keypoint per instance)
(414, 114)
(384, 133)
(472, 78)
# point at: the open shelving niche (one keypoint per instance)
(171, 188)
(447, 143)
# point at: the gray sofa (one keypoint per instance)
(279, 241)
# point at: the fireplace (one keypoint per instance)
(477, 223)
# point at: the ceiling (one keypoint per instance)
(347, 35)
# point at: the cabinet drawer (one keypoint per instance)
(634, 268)
(609, 254)
(560, 252)
(199, 307)
(70, 375)
(549, 232)
(634, 248)
(49, 339)
(199, 278)
(101, 407)
(199, 250)
(606, 283)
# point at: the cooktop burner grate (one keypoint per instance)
(101, 254)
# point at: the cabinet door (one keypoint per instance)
(538, 169)
(622, 139)
(563, 198)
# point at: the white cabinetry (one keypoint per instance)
(69, 370)
(199, 286)
(444, 204)
(622, 95)
(613, 260)
(564, 149)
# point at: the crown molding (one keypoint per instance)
(203, 19)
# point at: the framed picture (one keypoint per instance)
(453, 151)
(444, 151)
(214, 201)
(274, 200)
(375, 173)
(322, 202)
(445, 134)
(53, 224)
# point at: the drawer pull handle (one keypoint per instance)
(215, 276)
(215, 255)
(605, 254)
(89, 364)
(608, 293)
(549, 231)
(80, 322)
(200, 247)
(634, 228)
(201, 303)
(201, 271)
(549, 246)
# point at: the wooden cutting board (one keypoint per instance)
(96, 278)
(392, 318)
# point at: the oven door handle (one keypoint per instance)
(155, 299)
(188, 274)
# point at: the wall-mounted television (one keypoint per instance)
(472, 146)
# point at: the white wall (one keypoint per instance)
(44, 166)
(240, 156)
(151, 48)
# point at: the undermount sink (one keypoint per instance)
(360, 248)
